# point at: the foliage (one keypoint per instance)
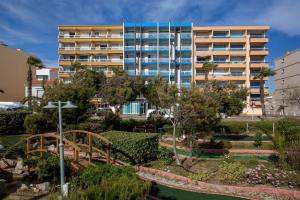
(166, 155)
(289, 128)
(200, 176)
(47, 168)
(206, 67)
(35, 123)
(133, 147)
(12, 121)
(293, 156)
(108, 182)
(258, 139)
(120, 89)
(92, 126)
(264, 175)
(239, 127)
(232, 171)
(212, 144)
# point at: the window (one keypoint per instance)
(282, 71)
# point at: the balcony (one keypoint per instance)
(186, 35)
(219, 38)
(259, 51)
(184, 60)
(91, 36)
(186, 73)
(184, 48)
(112, 49)
(92, 61)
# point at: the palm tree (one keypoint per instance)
(263, 73)
(208, 66)
(31, 62)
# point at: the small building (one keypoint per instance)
(13, 73)
(287, 78)
(44, 77)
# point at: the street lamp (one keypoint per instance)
(54, 105)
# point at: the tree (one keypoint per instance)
(263, 73)
(120, 89)
(207, 67)
(231, 98)
(31, 62)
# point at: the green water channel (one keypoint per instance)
(167, 193)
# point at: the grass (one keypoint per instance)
(244, 145)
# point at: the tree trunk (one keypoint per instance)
(262, 97)
(174, 145)
(29, 87)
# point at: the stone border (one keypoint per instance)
(209, 188)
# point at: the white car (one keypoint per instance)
(162, 113)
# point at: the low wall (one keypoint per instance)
(228, 190)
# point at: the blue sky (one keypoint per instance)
(32, 24)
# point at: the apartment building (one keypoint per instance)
(240, 53)
(287, 78)
(98, 47)
(174, 51)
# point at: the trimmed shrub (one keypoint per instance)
(12, 121)
(212, 144)
(133, 147)
(257, 140)
(35, 123)
(95, 127)
(166, 155)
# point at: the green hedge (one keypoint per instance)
(12, 121)
(35, 123)
(132, 147)
(234, 127)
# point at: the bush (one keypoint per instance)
(232, 171)
(95, 127)
(12, 121)
(263, 175)
(257, 140)
(234, 127)
(35, 123)
(212, 144)
(47, 168)
(133, 147)
(166, 155)
(108, 182)
(289, 128)
(200, 176)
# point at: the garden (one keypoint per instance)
(193, 150)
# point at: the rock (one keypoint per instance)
(51, 147)
(19, 165)
(23, 187)
(35, 190)
(7, 163)
(2, 186)
(43, 186)
(6, 175)
(1, 147)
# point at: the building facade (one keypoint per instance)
(174, 51)
(13, 73)
(287, 79)
(43, 77)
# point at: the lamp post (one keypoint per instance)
(54, 105)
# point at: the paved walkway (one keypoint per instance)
(184, 183)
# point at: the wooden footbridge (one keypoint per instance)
(79, 145)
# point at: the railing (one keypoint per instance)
(184, 48)
(91, 36)
(92, 60)
(257, 36)
(259, 49)
(129, 59)
(237, 74)
(185, 35)
(183, 60)
(91, 48)
(258, 61)
(220, 36)
(186, 73)
(202, 49)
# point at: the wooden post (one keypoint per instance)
(57, 145)
(42, 146)
(27, 148)
(74, 141)
(90, 148)
(108, 154)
